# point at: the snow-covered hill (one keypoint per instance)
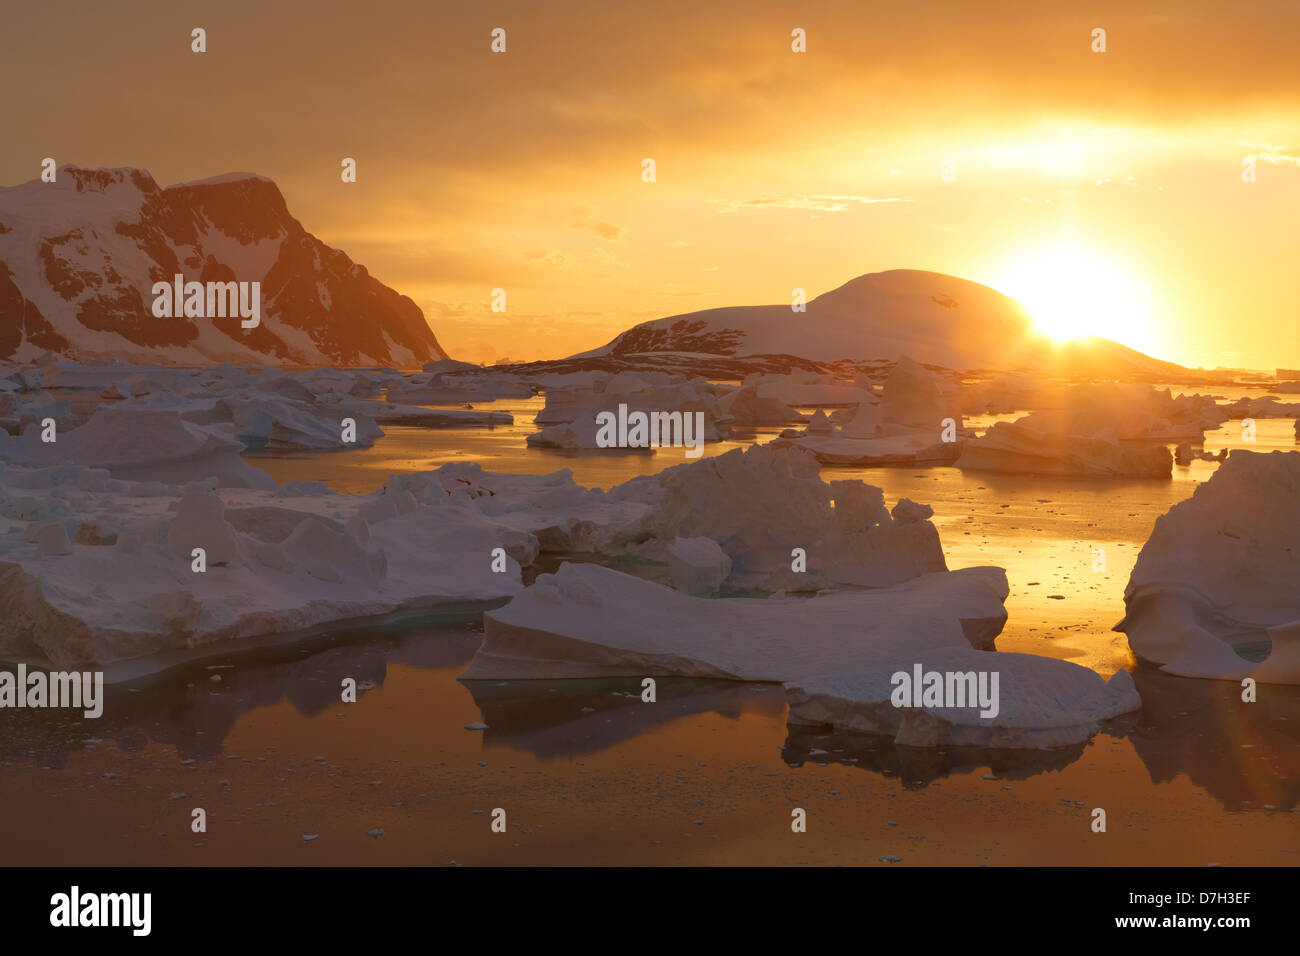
(79, 257)
(935, 319)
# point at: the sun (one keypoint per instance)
(1072, 292)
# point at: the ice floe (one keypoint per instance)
(698, 565)
(575, 417)
(913, 396)
(138, 444)
(1215, 591)
(128, 575)
(761, 504)
(1265, 406)
(590, 621)
(1105, 431)
(1043, 444)
(1036, 702)
(917, 422)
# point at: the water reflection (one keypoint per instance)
(917, 767)
(1247, 755)
(1243, 754)
(193, 709)
(578, 717)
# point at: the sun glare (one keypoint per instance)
(1071, 292)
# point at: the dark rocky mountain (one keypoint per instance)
(79, 257)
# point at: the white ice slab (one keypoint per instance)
(1041, 702)
(1221, 574)
(590, 621)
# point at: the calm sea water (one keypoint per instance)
(587, 773)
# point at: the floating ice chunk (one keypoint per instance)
(416, 416)
(864, 423)
(570, 418)
(590, 621)
(1041, 702)
(273, 568)
(1046, 443)
(1214, 590)
(760, 503)
(913, 397)
(457, 386)
(1263, 407)
(907, 429)
(747, 406)
(819, 424)
(200, 523)
(52, 539)
(1185, 454)
(280, 425)
(894, 445)
(560, 514)
(908, 510)
(333, 556)
(136, 444)
(698, 566)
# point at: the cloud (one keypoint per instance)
(603, 257)
(550, 258)
(534, 111)
(1274, 154)
(606, 230)
(820, 202)
(398, 261)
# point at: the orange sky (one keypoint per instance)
(522, 170)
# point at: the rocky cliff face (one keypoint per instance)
(79, 257)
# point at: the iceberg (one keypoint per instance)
(590, 621)
(140, 444)
(1214, 590)
(1045, 443)
(698, 566)
(764, 504)
(1041, 702)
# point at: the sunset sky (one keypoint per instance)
(1118, 174)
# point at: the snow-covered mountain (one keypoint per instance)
(935, 319)
(79, 257)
